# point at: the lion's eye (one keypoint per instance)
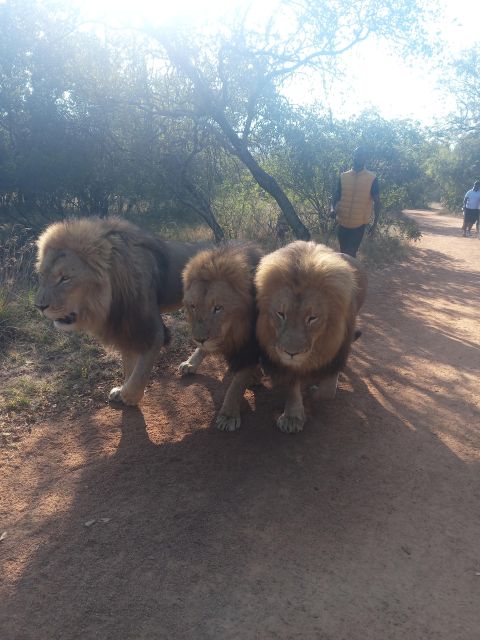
(64, 279)
(217, 308)
(281, 314)
(312, 319)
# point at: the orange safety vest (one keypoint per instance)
(355, 205)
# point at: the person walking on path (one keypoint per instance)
(357, 192)
(471, 208)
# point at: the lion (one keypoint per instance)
(220, 307)
(308, 299)
(110, 279)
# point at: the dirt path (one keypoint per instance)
(365, 526)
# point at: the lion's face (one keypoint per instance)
(306, 301)
(71, 293)
(218, 297)
(297, 324)
(212, 308)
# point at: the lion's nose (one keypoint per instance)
(42, 307)
(292, 353)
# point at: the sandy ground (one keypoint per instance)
(365, 526)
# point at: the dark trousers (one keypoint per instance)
(350, 239)
(470, 217)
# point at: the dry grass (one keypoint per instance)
(44, 371)
(16, 266)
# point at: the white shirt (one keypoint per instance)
(472, 199)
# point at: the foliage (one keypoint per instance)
(170, 124)
(235, 76)
(315, 149)
(461, 82)
(72, 136)
(141, 123)
(16, 267)
(455, 167)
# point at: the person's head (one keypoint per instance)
(476, 185)
(359, 159)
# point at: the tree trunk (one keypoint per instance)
(206, 213)
(264, 179)
(189, 195)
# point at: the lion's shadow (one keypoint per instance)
(257, 533)
(211, 531)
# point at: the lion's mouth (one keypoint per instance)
(291, 359)
(70, 319)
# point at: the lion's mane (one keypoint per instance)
(309, 271)
(127, 274)
(235, 266)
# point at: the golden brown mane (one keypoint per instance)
(121, 261)
(220, 306)
(113, 280)
(308, 270)
(308, 297)
(233, 265)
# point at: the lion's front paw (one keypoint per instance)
(125, 396)
(290, 424)
(227, 423)
(115, 395)
(186, 368)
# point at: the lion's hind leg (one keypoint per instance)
(191, 365)
(325, 389)
(292, 419)
(228, 418)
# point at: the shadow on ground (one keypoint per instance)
(363, 526)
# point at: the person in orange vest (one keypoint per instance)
(357, 194)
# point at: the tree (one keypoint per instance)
(72, 141)
(462, 83)
(237, 75)
(96, 122)
(316, 148)
(455, 167)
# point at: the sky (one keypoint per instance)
(381, 80)
(377, 79)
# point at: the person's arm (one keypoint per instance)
(377, 205)
(336, 198)
(465, 200)
(338, 193)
